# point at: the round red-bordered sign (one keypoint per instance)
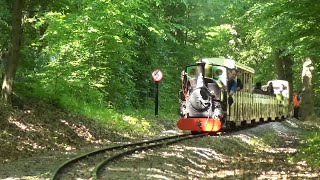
(157, 75)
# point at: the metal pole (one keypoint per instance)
(156, 97)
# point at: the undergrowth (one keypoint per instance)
(309, 150)
(90, 104)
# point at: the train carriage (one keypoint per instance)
(204, 105)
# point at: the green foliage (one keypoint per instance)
(309, 150)
(4, 26)
(265, 26)
(89, 103)
(100, 53)
(106, 117)
(100, 58)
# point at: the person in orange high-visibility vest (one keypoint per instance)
(296, 104)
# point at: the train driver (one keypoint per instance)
(231, 85)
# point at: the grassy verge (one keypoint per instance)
(137, 121)
(309, 150)
(90, 104)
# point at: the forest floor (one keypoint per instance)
(36, 138)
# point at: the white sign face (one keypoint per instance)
(157, 75)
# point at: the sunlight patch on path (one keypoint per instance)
(287, 175)
(207, 153)
(260, 145)
(225, 173)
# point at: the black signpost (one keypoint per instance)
(157, 76)
(156, 98)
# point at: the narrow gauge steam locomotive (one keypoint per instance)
(205, 105)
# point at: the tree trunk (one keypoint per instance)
(12, 62)
(284, 64)
(279, 64)
(288, 64)
(307, 103)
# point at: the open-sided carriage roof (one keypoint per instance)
(229, 63)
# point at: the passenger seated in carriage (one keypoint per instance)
(258, 88)
(270, 89)
(239, 82)
(232, 83)
(284, 91)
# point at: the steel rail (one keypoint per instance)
(66, 164)
(101, 165)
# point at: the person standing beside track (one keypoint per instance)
(296, 104)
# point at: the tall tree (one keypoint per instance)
(307, 103)
(284, 63)
(11, 64)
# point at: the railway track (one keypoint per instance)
(92, 165)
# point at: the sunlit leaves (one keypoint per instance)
(94, 43)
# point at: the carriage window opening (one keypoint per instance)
(247, 82)
(252, 85)
(240, 79)
(244, 81)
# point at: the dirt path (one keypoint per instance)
(261, 152)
